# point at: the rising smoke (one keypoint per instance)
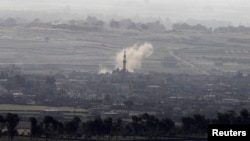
(135, 55)
(103, 70)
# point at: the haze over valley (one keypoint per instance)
(88, 48)
(127, 69)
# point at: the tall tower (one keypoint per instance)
(124, 62)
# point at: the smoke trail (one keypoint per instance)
(135, 55)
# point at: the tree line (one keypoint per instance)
(144, 125)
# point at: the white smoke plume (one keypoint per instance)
(104, 70)
(134, 56)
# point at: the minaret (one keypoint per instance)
(124, 62)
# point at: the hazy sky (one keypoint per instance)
(235, 11)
